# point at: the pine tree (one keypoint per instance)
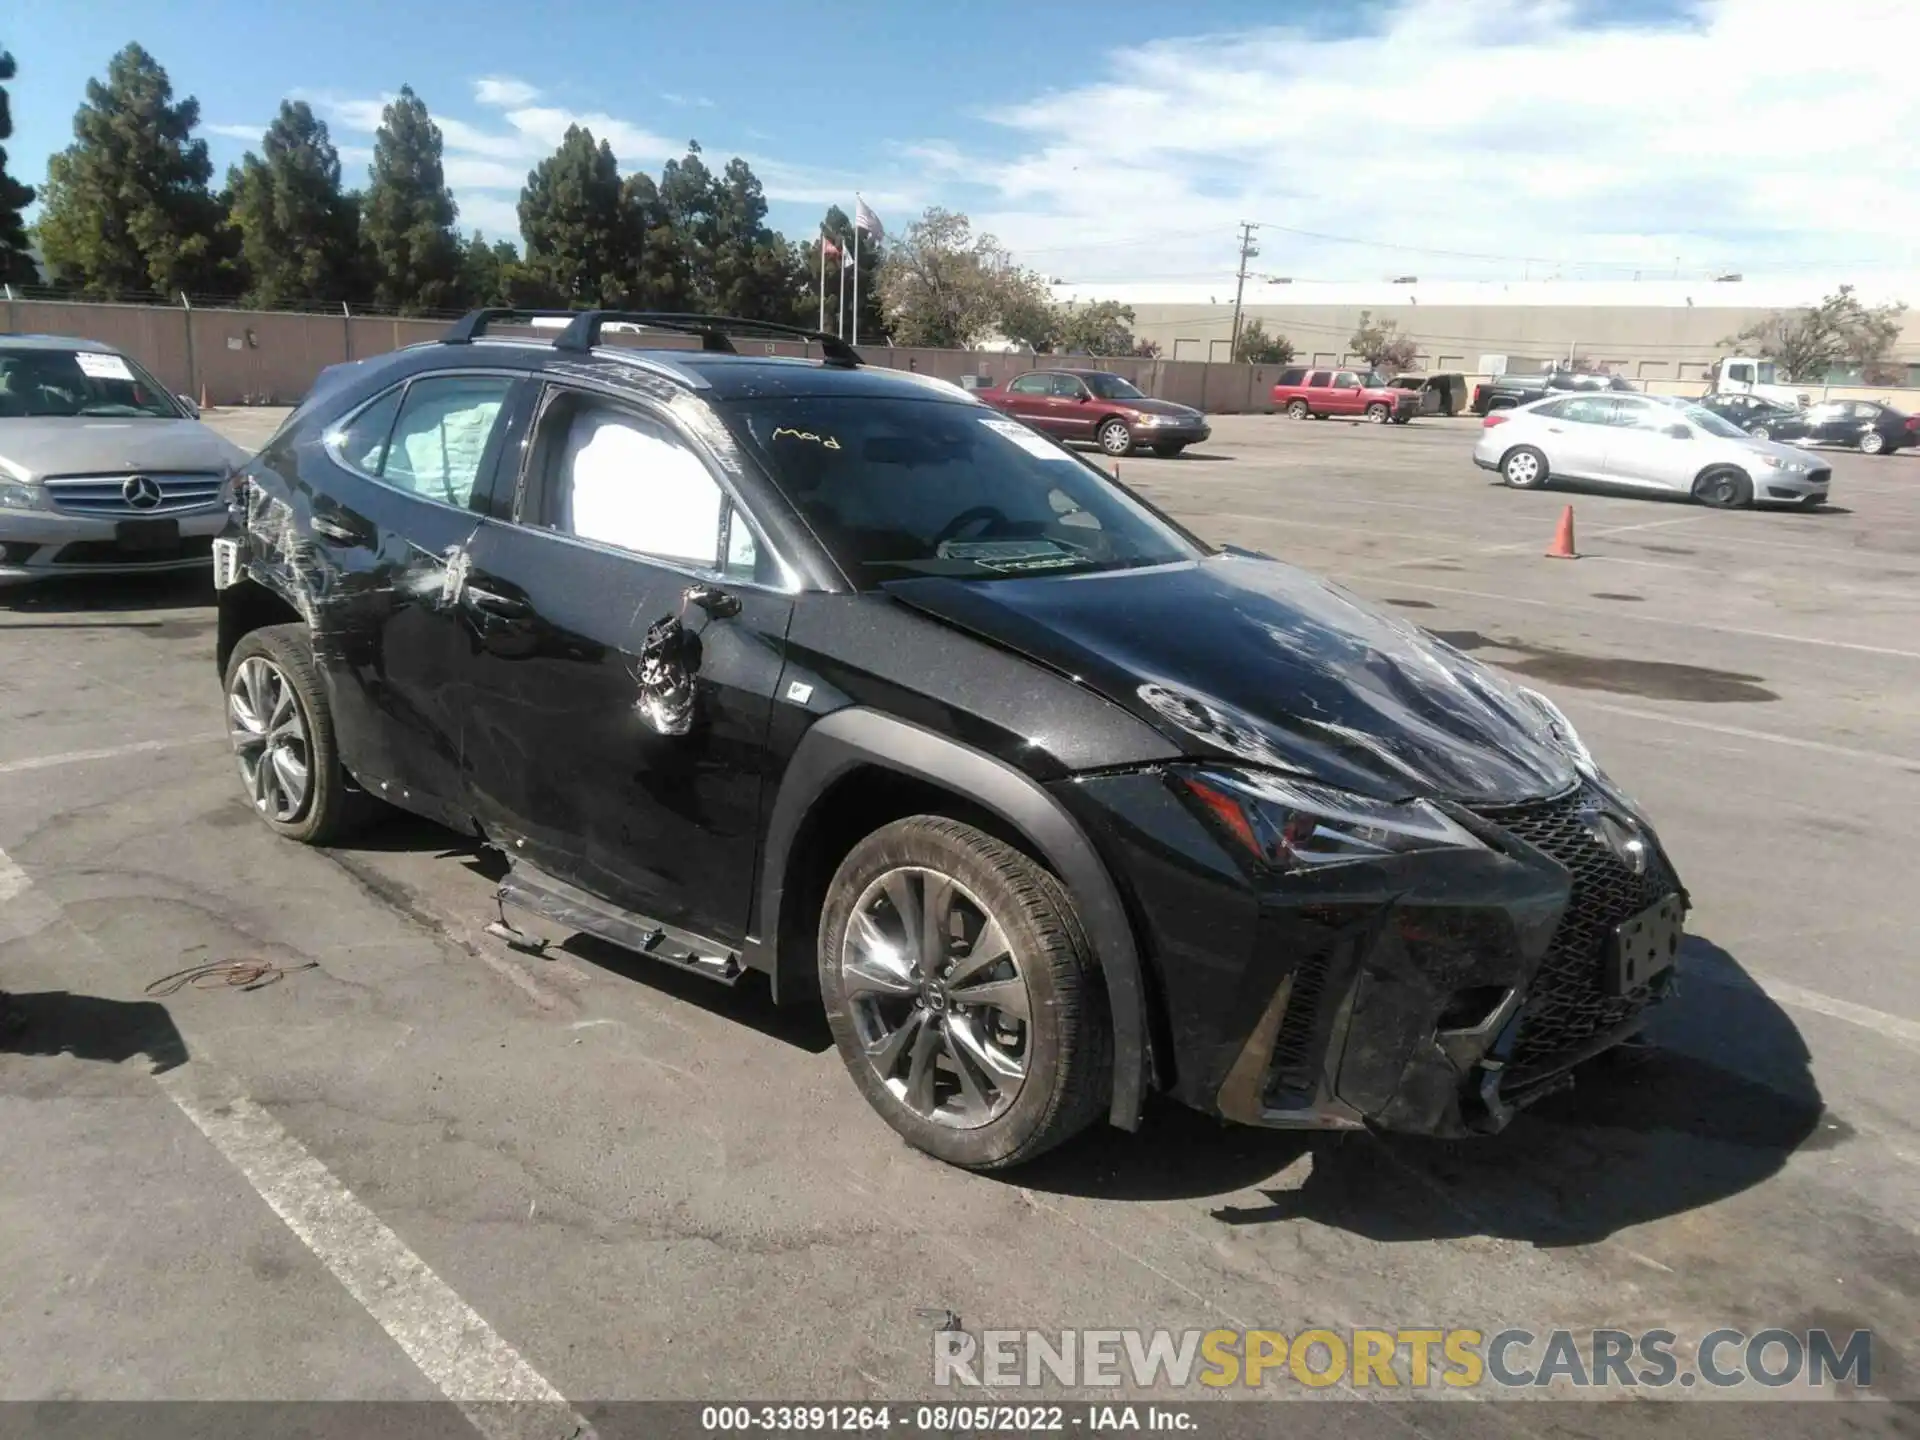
(688, 207)
(755, 272)
(407, 216)
(579, 230)
(16, 265)
(298, 233)
(659, 264)
(126, 205)
(487, 272)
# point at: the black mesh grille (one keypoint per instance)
(1566, 1007)
(1294, 1071)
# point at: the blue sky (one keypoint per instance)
(1474, 138)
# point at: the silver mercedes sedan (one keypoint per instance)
(1647, 442)
(101, 470)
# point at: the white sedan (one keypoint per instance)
(1648, 443)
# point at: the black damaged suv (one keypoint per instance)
(797, 666)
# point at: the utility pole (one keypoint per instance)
(1247, 251)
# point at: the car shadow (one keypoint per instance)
(1713, 1108)
(402, 832)
(748, 1002)
(71, 594)
(90, 1027)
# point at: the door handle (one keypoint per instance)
(336, 530)
(491, 602)
(711, 598)
(1555, 429)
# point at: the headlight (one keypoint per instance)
(1156, 419)
(1294, 825)
(15, 496)
(1793, 467)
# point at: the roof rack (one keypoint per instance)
(583, 333)
(475, 323)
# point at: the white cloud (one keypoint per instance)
(1750, 135)
(250, 134)
(494, 216)
(503, 90)
(697, 101)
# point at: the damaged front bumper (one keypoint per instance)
(1435, 993)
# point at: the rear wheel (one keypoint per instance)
(962, 994)
(1297, 409)
(1872, 443)
(1759, 432)
(1115, 438)
(1724, 489)
(282, 734)
(1524, 468)
(1377, 414)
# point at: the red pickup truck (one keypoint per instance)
(1302, 390)
(1095, 405)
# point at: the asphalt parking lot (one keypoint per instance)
(586, 1177)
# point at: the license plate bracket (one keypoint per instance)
(145, 535)
(1643, 945)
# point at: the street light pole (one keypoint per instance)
(1247, 251)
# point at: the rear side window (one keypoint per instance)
(1029, 385)
(441, 434)
(1065, 387)
(1587, 410)
(361, 444)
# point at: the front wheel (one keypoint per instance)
(1376, 414)
(282, 733)
(1872, 443)
(962, 994)
(1297, 409)
(1115, 438)
(1725, 489)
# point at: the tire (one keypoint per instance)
(1724, 488)
(1297, 409)
(272, 690)
(1115, 438)
(1524, 468)
(1377, 413)
(1168, 452)
(1063, 1045)
(1759, 432)
(1872, 443)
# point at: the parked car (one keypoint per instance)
(1504, 392)
(101, 470)
(1650, 443)
(835, 674)
(1095, 405)
(1863, 425)
(1761, 418)
(1305, 390)
(1440, 394)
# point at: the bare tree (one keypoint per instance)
(1381, 344)
(1839, 329)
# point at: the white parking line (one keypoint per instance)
(1849, 752)
(502, 1396)
(1903, 1032)
(111, 752)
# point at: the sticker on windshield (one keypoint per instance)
(96, 366)
(1020, 435)
(1011, 555)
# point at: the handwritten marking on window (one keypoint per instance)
(828, 441)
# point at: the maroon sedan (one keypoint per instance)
(1096, 406)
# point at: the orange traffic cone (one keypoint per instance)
(1562, 547)
(205, 404)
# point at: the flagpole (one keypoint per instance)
(823, 278)
(840, 315)
(856, 269)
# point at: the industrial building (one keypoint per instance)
(1652, 329)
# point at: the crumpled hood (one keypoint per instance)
(1261, 662)
(93, 445)
(1158, 407)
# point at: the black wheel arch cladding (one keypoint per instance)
(859, 737)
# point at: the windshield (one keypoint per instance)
(903, 487)
(36, 383)
(1112, 387)
(1711, 423)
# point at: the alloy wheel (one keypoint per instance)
(1377, 414)
(270, 739)
(937, 997)
(1872, 443)
(1522, 469)
(1760, 432)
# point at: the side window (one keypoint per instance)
(1629, 415)
(630, 482)
(1552, 409)
(361, 443)
(1742, 374)
(1295, 376)
(1320, 378)
(441, 435)
(1066, 387)
(1029, 385)
(1346, 380)
(1587, 410)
